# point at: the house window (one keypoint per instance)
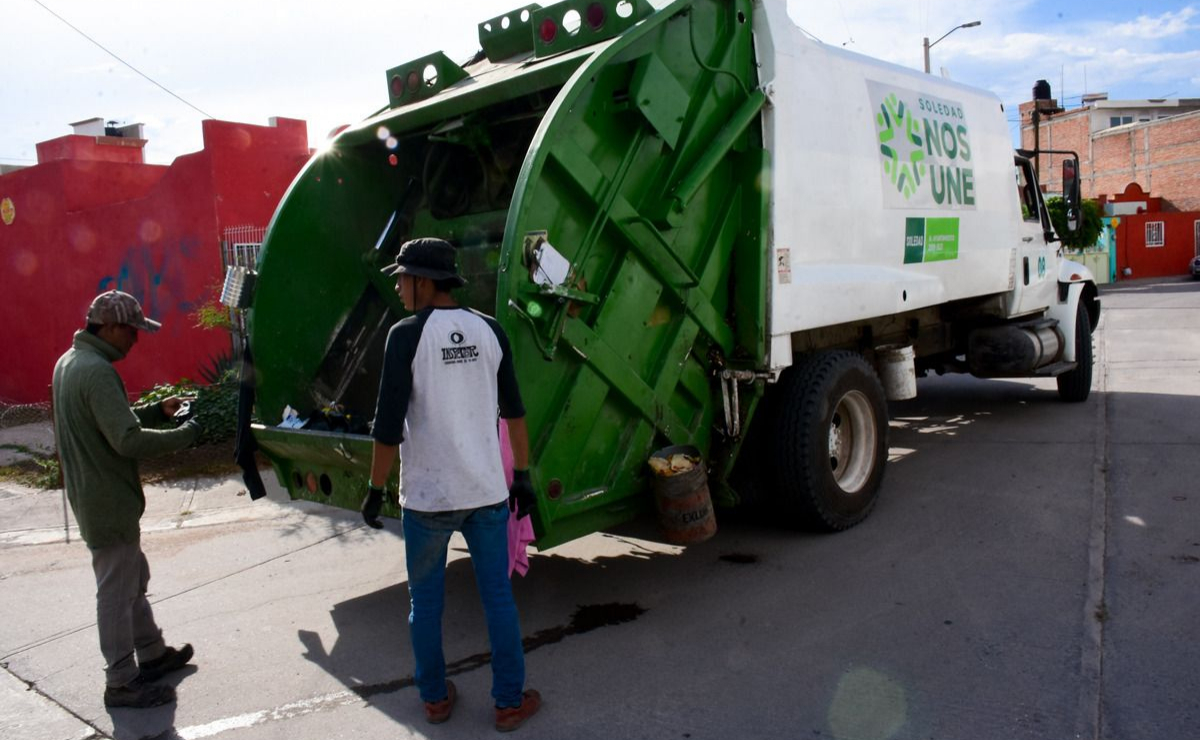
(1119, 120)
(1154, 233)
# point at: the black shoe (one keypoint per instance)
(137, 694)
(169, 662)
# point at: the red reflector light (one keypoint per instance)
(548, 31)
(595, 16)
(397, 86)
(393, 160)
(1076, 276)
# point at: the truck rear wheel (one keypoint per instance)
(1075, 385)
(830, 440)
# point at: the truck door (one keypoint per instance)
(1033, 284)
(632, 261)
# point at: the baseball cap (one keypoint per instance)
(115, 307)
(428, 258)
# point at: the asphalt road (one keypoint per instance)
(1032, 571)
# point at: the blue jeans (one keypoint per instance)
(426, 539)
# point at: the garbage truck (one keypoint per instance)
(698, 226)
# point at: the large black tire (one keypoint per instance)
(830, 441)
(1075, 385)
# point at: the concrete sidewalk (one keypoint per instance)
(36, 517)
(38, 534)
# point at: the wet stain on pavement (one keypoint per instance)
(585, 619)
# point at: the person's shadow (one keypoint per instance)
(372, 656)
(156, 723)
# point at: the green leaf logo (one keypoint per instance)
(903, 155)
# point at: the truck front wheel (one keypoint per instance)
(1075, 385)
(830, 440)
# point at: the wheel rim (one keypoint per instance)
(852, 441)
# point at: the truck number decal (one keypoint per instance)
(924, 149)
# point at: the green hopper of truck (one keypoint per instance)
(622, 184)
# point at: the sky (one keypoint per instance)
(251, 60)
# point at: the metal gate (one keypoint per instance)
(240, 246)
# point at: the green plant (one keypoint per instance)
(49, 474)
(215, 404)
(37, 471)
(212, 316)
(1090, 223)
(217, 367)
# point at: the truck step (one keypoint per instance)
(1054, 369)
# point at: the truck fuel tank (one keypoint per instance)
(1013, 350)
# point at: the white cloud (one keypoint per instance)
(1149, 27)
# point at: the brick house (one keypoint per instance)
(1136, 157)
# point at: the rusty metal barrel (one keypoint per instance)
(685, 510)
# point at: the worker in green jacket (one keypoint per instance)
(100, 438)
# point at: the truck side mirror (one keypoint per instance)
(1070, 178)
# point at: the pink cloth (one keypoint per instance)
(520, 531)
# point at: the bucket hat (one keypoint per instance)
(115, 307)
(428, 258)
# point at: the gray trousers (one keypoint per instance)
(123, 615)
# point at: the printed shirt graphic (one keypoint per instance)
(924, 145)
(446, 372)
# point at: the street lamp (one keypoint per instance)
(972, 24)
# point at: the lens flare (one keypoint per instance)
(150, 230)
(868, 705)
(25, 263)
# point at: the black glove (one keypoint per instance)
(194, 423)
(372, 505)
(521, 497)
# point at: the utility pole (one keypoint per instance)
(928, 45)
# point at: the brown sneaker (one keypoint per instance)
(169, 662)
(138, 694)
(510, 718)
(437, 712)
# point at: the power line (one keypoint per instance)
(119, 59)
(849, 33)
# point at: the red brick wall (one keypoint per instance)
(1067, 131)
(1163, 157)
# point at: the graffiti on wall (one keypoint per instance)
(158, 277)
